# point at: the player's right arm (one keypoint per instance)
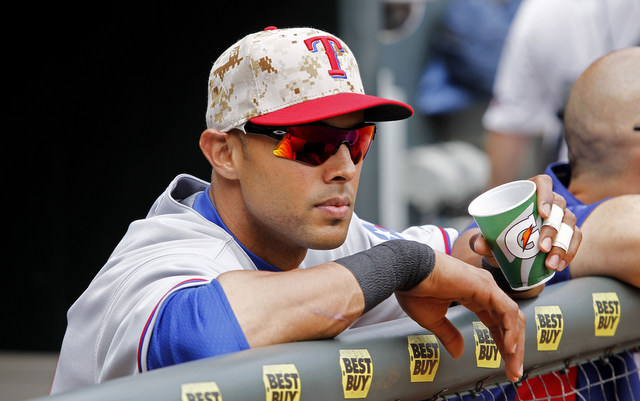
(248, 308)
(322, 301)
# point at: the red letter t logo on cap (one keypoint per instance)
(328, 43)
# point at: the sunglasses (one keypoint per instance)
(315, 143)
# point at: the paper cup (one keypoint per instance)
(508, 218)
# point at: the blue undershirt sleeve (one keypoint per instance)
(194, 323)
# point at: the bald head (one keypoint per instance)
(603, 108)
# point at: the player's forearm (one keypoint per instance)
(273, 308)
(619, 262)
(322, 301)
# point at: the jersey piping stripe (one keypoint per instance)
(153, 312)
(446, 239)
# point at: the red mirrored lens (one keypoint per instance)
(314, 144)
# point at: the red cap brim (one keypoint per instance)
(375, 109)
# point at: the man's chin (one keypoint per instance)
(328, 242)
(328, 235)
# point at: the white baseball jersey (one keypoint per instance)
(110, 325)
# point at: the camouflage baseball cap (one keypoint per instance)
(290, 76)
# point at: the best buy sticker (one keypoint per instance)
(356, 367)
(549, 327)
(424, 357)
(606, 307)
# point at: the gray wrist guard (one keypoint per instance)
(391, 266)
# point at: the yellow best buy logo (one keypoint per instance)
(487, 355)
(549, 327)
(204, 391)
(281, 382)
(424, 357)
(606, 306)
(357, 372)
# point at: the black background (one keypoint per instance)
(105, 105)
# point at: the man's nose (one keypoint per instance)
(340, 166)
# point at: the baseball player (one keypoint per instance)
(223, 266)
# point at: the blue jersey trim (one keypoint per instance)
(446, 239)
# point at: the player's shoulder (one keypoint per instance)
(628, 204)
(630, 200)
(617, 211)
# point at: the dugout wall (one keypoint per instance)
(570, 322)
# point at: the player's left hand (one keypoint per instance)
(455, 281)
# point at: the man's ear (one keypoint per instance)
(218, 148)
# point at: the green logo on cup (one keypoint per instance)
(520, 238)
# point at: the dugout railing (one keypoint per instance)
(582, 320)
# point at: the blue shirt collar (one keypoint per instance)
(560, 174)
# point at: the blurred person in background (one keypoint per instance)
(549, 44)
(463, 55)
